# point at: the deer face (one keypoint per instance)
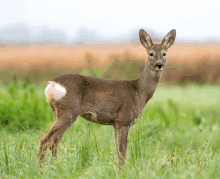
(157, 58)
(157, 52)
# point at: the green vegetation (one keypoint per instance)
(177, 137)
(23, 107)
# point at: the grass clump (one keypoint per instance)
(23, 107)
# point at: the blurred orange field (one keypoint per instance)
(66, 57)
(197, 63)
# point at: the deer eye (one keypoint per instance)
(164, 54)
(151, 54)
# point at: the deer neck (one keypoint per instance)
(146, 86)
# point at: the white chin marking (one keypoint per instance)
(159, 69)
(56, 90)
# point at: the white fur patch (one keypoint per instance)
(56, 90)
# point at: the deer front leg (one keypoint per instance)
(121, 137)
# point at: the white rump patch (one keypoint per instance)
(54, 91)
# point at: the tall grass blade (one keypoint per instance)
(6, 158)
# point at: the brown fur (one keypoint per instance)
(109, 102)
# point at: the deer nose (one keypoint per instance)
(159, 63)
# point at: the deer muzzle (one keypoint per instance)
(159, 65)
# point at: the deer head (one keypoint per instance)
(157, 52)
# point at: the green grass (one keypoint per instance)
(177, 137)
(23, 107)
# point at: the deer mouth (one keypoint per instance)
(158, 67)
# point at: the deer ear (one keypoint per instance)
(169, 39)
(145, 39)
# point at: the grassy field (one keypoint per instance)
(177, 137)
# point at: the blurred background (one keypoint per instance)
(42, 39)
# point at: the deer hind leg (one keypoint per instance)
(56, 140)
(121, 137)
(54, 145)
(53, 136)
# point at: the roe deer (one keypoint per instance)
(109, 102)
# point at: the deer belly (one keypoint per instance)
(105, 118)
